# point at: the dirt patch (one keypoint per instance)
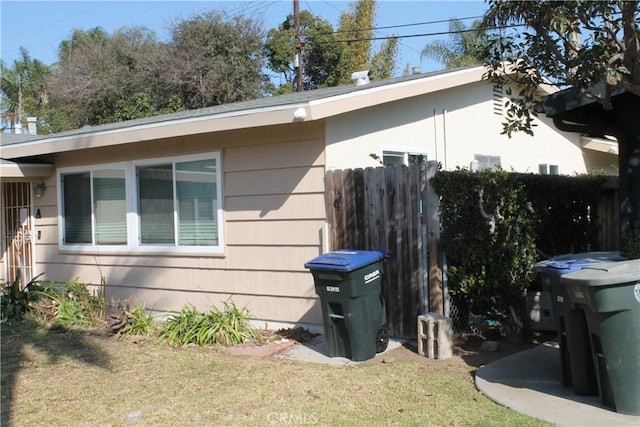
(469, 351)
(273, 342)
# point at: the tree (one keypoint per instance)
(214, 60)
(592, 47)
(101, 78)
(383, 63)
(466, 48)
(23, 89)
(355, 33)
(320, 53)
(330, 57)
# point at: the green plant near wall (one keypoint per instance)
(15, 300)
(217, 327)
(488, 236)
(71, 305)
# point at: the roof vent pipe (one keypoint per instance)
(361, 77)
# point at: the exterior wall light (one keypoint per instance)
(38, 189)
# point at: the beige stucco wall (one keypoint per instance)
(274, 222)
(450, 126)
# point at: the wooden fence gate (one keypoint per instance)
(387, 209)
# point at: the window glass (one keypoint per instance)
(487, 162)
(172, 203)
(392, 158)
(196, 196)
(543, 169)
(554, 170)
(155, 204)
(110, 207)
(77, 208)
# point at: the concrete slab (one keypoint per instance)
(316, 351)
(529, 382)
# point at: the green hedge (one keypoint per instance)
(496, 225)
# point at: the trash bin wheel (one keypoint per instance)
(382, 340)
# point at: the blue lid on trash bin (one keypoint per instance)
(568, 263)
(345, 260)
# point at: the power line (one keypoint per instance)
(402, 25)
(440, 33)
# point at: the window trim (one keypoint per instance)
(548, 165)
(133, 218)
(404, 151)
(475, 163)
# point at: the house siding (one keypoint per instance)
(450, 126)
(274, 222)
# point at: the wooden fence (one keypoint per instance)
(385, 209)
(396, 210)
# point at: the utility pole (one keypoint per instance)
(298, 58)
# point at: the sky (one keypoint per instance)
(40, 26)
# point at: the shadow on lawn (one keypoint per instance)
(24, 345)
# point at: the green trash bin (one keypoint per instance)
(349, 284)
(577, 369)
(609, 294)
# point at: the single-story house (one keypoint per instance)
(228, 201)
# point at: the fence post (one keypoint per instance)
(436, 294)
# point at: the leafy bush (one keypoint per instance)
(496, 225)
(73, 305)
(16, 300)
(489, 241)
(125, 321)
(228, 327)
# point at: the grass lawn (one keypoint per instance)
(76, 378)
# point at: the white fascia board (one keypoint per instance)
(327, 107)
(157, 130)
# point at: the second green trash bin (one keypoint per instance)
(577, 368)
(349, 284)
(609, 294)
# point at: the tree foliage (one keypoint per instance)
(329, 57)
(24, 89)
(320, 54)
(214, 60)
(98, 76)
(466, 47)
(103, 78)
(569, 44)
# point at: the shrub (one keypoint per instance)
(489, 240)
(228, 327)
(15, 300)
(125, 321)
(73, 305)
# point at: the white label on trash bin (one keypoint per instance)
(636, 291)
(368, 278)
(333, 289)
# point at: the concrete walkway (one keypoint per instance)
(529, 382)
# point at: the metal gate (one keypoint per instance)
(17, 226)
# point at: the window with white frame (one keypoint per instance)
(548, 169)
(482, 162)
(161, 204)
(394, 158)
